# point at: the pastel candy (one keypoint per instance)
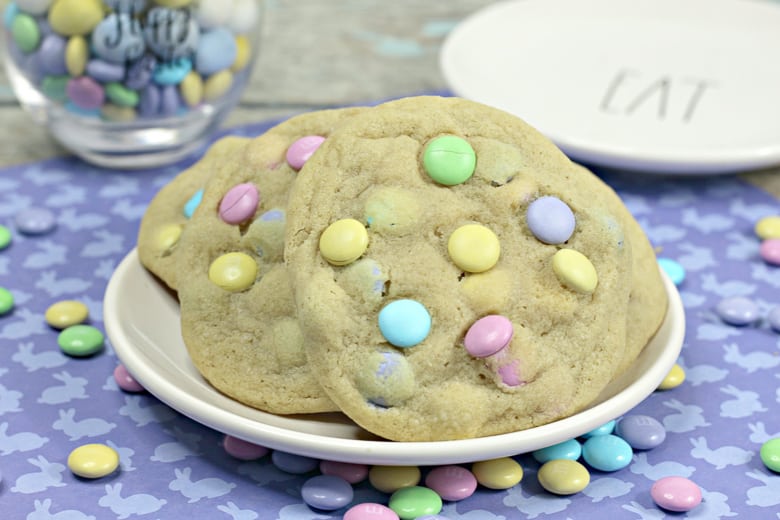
(172, 72)
(343, 242)
(93, 460)
(105, 71)
(676, 494)
(65, 313)
(234, 272)
(191, 88)
(169, 100)
(9, 14)
(451, 483)
(139, 72)
(239, 203)
(243, 450)
(737, 310)
(302, 149)
(34, 7)
(607, 452)
(570, 449)
(488, 335)
(125, 380)
(150, 101)
(352, 473)
(216, 51)
(55, 87)
(214, 13)
(575, 271)
(563, 476)
(52, 55)
(673, 269)
(292, 463)
(75, 17)
(244, 16)
(415, 501)
(171, 33)
(474, 248)
(770, 454)
(217, 85)
(80, 340)
(768, 227)
(121, 95)
(404, 323)
(76, 55)
(118, 38)
(25, 33)
(500, 473)
(327, 492)
(243, 54)
(449, 160)
(550, 220)
(86, 93)
(6, 301)
(386, 379)
(641, 432)
(770, 251)
(605, 429)
(35, 221)
(370, 511)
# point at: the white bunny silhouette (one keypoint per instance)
(42, 513)
(50, 475)
(32, 361)
(236, 513)
(140, 504)
(641, 466)
(92, 427)
(72, 388)
(22, 441)
(767, 495)
(751, 361)
(744, 405)
(204, 488)
(720, 457)
(141, 416)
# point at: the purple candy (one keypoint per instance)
(85, 93)
(52, 55)
(774, 318)
(550, 220)
(327, 492)
(737, 310)
(35, 221)
(641, 432)
(295, 464)
(169, 101)
(139, 73)
(149, 105)
(105, 71)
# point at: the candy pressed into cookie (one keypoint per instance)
(457, 276)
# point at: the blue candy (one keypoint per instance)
(774, 318)
(570, 449)
(118, 38)
(11, 10)
(607, 452)
(294, 464)
(172, 72)
(52, 55)
(217, 51)
(327, 492)
(193, 203)
(604, 429)
(169, 101)
(105, 71)
(404, 323)
(737, 311)
(139, 72)
(673, 270)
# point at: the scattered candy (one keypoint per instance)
(770, 454)
(563, 476)
(449, 160)
(413, 502)
(5, 237)
(404, 323)
(488, 335)
(676, 494)
(243, 450)
(65, 313)
(550, 220)
(343, 242)
(93, 460)
(294, 464)
(301, 150)
(80, 340)
(6, 301)
(451, 483)
(370, 511)
(125, 380)
(327, 492)
(35, 221)
(673, 270)
(673, 379)
(770, 251)
(575, 271)
(641, 432)
(389, 479)
(352, 473)
(604, 429)
(570, 449)
(474, 248)
(239, 203)
(234, 272)
(768, 227)
(737, 311)
(607, 452)
(501, 473)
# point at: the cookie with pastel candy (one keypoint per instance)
(457, 276)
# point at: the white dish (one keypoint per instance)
(665, 86)
(142, 322)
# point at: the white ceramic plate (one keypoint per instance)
(666, 86)
(142, 322)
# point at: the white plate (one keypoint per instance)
(142, 322)
(666, 86)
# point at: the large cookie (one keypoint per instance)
(238, 317)
(457, 276)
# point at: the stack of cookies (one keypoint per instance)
(432, 267)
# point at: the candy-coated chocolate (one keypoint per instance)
(770, 454)
(449, 160)
(641, 432)
(673, 379)
(302, 149)
(737, 310)
(212, 13)
(344, 241)
(500, 473)
(676, 494)
(75, 17)
(171, 72)
(216, 51)
(25, 32)
(404, 323)
(243, 54)
(243, 450)
(86, 93)
(570, 449)
(217, 85)
(386, 379)
(673, 269)
(80, 340)
(192, 89)
(105, 71)
(65, 313)
(125, 380)
(451, 483)
(370, 511)
(52, 55)
(6, 301)
(55, 87)
(389, 479)
(550, 220)
(607, 452)
(488, 335)
(605, 429)
(563, 476)
(93, 460)
(76, 55)
(244, 16)
(412, 502)
(773, 318)
(193, 203)
(35, 221)
(293, 464)
(239, 203)
(167, 236)
(233, 272)
(327, 492)
(140, 72)
(575, 271)
(121, 95)
(111, 112)
(5, 237)
(352, 473)
(474, 248)
(768, 227)
(770, 251)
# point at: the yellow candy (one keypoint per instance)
(344, 241)
(673, 379)
(111, 112)
(575, 271)
(192, 89)
(502, 473)
(65, 313)
(474, 248)
(768, 227)
(563, 476)
(167, 237)
(173, 3)
(217, 85)
(390, 479)
(243, 54)
(76, 55)
(75, 17)
(233, 272)
(93, 460)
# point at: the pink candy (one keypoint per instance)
(242, 449)
(770, 251)
(86, 93)
(301, 150)
(239, 203)
(370, 511)
(676, 494)
(452, 482)
(352, 473)
(488, 335)
(125, 381)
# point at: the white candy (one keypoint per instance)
(34, 6)
(244, 16)
(214, 13)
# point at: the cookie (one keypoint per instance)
(456, 276)
(171, 208)
(238, 317)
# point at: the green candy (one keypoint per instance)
(5, 237)
(412, 502)
(6, 301)
(121, 95)
(770, 454)
(80, 340)
(449, 160)
(25, 32)
(55, 87)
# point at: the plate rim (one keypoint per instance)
(376, 451)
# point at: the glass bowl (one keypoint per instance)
(130, 83)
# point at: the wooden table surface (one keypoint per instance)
(316, 54)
